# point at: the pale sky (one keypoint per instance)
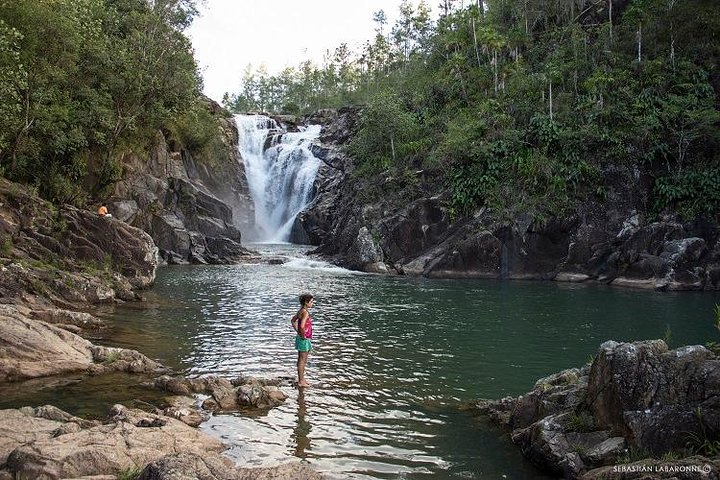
(229, 34)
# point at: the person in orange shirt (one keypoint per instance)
(103, 211)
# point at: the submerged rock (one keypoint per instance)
(226, 395)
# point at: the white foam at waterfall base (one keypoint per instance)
(317, 265)
(280, 177)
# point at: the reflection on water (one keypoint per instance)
(301, 433)
(393, 358)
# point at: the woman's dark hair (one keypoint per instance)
(305, 298)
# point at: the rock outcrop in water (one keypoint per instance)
(382, 223)
(32, 348)
(635, 400)
(224, 394)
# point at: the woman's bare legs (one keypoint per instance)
(302, 360)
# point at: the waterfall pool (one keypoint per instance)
(394, 359)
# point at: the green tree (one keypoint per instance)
(115, 70)
(386, 129)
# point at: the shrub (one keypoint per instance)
(196, 128)
(6, 246)
(690, 192)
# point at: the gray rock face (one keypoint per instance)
(608, 242)
(193, 205)
(421, 225)
(315, 223)
(658, 400)
(72, 241)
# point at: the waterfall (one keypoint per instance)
(280, 171)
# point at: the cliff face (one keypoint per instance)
(53, 259)
(66, 255)
(369, 224)
(193, 205)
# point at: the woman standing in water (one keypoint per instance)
(302, 324)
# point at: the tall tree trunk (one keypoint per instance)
(392, 147)
(610, 5)
(639, 42)
(551, 100)
(477, 52)
(671, 4)
(495, 68)
(526, 17)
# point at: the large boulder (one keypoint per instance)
(94, 239)
(640, 396)
(68, 240)
(658, 398)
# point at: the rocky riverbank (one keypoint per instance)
(47, 443)
(57, 264)
(384, 223)
(637, 411)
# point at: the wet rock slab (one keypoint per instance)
(32, 348)
(47, 443)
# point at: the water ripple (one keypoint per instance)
(392, 358)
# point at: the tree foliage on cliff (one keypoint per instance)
(526, 105)
(80, 79)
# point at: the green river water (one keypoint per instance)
(394, 359)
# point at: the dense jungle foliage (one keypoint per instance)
(528, 105)
(83, 81)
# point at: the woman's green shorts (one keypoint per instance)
(302, 344)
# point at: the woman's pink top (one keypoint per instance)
(308, 327)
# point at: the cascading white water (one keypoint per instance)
(280, 171)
